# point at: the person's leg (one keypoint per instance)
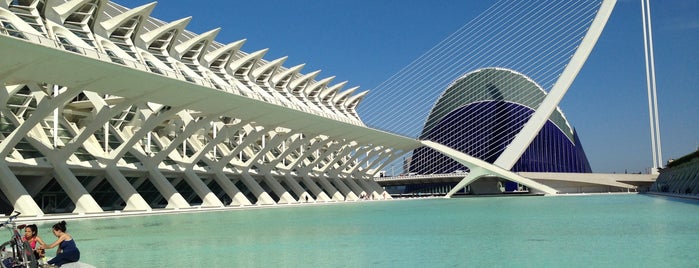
(58, 260)
(65, 257)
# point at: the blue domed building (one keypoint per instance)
(481, 112)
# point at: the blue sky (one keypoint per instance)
(366, 42)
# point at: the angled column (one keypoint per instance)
(238, 198)
(208, 198)
(134, 201)
(342, 187)
(376, 191)
(358, 191)
(84, 203)
(174, 198)
(315, 190)
(263, 197)
(16, 194)
(296, 187)
(284, 195)
(330, 189)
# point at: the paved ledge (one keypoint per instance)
(164, 211)
(114, 214)
(683, 196)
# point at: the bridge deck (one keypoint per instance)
(547, 178)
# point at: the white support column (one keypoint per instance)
(84, 203)
(358, 191)
(334, 172)
(174, 199)
(152, 121)
(134, 201)
(323, 178)
(368, 181)
(16, 194)
(263, 197)
(96, 181)
(336, 148)
(330, 189)
(369, 189)
(208, 198)
(202, 149)
(656, 146)
(214, 128)
(366, 151)
(375, 189)
(350, 189)
(315, 190)
(265, 169)
(106, 138)
(238, 198)
(274, 142)
(284, 195)
(190, 129)
(339, 153)
(349, 195)
(474, 174)
(55, 119)
(296, 187)
(101, 114)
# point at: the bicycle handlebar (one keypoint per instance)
(11, 218)
(15, 216)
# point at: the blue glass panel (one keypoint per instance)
(498, 123)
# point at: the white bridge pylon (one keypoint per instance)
(514, 151)
(521, 142)
(479, 169)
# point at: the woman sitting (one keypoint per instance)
(67, 250)
(31, 235)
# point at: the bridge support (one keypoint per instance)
(480, 168)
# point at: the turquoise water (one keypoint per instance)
(577, 231)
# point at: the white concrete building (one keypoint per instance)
(107, 108)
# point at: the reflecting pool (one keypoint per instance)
(579, 231)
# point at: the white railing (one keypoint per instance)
(422, 177)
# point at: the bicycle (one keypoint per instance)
(20, 254)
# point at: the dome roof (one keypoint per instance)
(492, 84)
